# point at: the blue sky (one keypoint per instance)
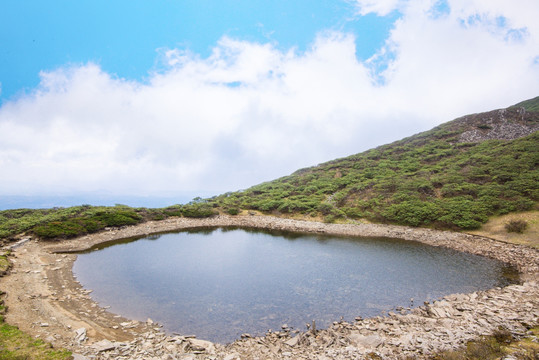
(174, 99)
(124, 37)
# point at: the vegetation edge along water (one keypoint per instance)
(432, 179)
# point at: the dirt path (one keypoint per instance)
(45, 300)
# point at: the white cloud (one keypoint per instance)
(249, 112)
(379, 7)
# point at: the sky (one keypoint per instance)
(155, 103)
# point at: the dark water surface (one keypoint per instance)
(220, 283)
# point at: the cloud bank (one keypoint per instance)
(250, 113)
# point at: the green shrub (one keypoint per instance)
(158, 217)
(516, 226)
(325, 208)
(484, 350)
(198, 210)
(118, 218)
(233, 211)
(330, 219)
(503, 336)
(353, 213)
(463, 213)
(288, 207)
(268, 205)
(173, 210)
(58, 229)
(412, 213)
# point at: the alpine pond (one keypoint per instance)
(219, 283)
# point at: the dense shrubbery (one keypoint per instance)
(232, 211)
(79, 220)
(425, 180)
(90, 223)
(198, 210)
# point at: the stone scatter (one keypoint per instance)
(417, 332)
(437, 326)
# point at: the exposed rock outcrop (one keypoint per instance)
(503, 124)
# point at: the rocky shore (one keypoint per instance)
(45, 300)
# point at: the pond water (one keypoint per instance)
(219, 283)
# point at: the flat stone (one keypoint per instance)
(369, 341)
(201, 345)
(293, 342)
(104, 345)
(79, 357)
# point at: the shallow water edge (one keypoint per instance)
(43, 271)
(219, 283)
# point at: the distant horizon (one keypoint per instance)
(10, 202)
(196, 96)
(104, 198)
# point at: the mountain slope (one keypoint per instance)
(453, 176)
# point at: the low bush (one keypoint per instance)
(516, 226)
(118, 218)
(412, 213)
(232, 211)
(175, 210)
(59, 229)
(89, 221)
(198, 210)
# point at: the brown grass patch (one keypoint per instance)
(495, 228)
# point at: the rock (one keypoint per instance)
(369, 341)
(79, 357)
(293, 342)
(201, 345)
(80, 335)
(50, 339)
(187, 357)
(104, 345)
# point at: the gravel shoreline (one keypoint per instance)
(44, 271)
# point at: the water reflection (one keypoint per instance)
(219, 283)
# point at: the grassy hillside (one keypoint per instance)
(453, 176)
